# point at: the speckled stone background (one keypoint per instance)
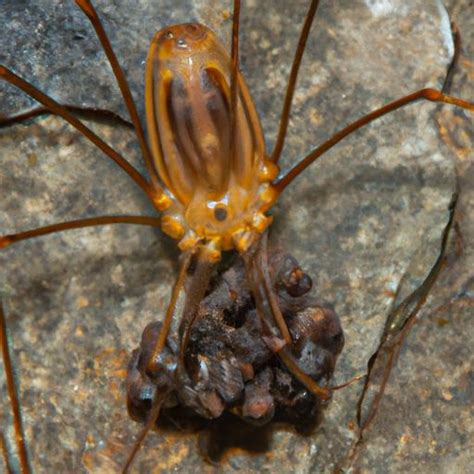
(77, 302)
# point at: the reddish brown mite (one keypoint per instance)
(213, 204)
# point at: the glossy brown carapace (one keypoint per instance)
(217, 195)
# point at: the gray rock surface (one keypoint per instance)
(77, 302)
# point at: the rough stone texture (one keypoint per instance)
(78, 302)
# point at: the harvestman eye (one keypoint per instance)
(220, 213)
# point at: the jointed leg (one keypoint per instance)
(195, 294)
(5, 453)
(13, 394)
(153, 362)
(196, 291)
(88, 113)
(155, 196)
(269, 291)
(150, 423)
(432, 95)
(284, 353)
(87, 7)
(234, 78)
(290, 88)
(7, 240)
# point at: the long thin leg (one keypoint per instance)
(285, 353)
(7, 240)
(5, 454)
(157, 197)
(292, 365)
(270, 293)
(88, 113)
(13, 394)
(432, 95)
(196, 292)
(290, 88)
(165, 329)
(87, 7)
(153, 415)
(234, 77)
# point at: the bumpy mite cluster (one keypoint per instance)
(231, 374)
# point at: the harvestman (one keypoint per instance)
(214, 200)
